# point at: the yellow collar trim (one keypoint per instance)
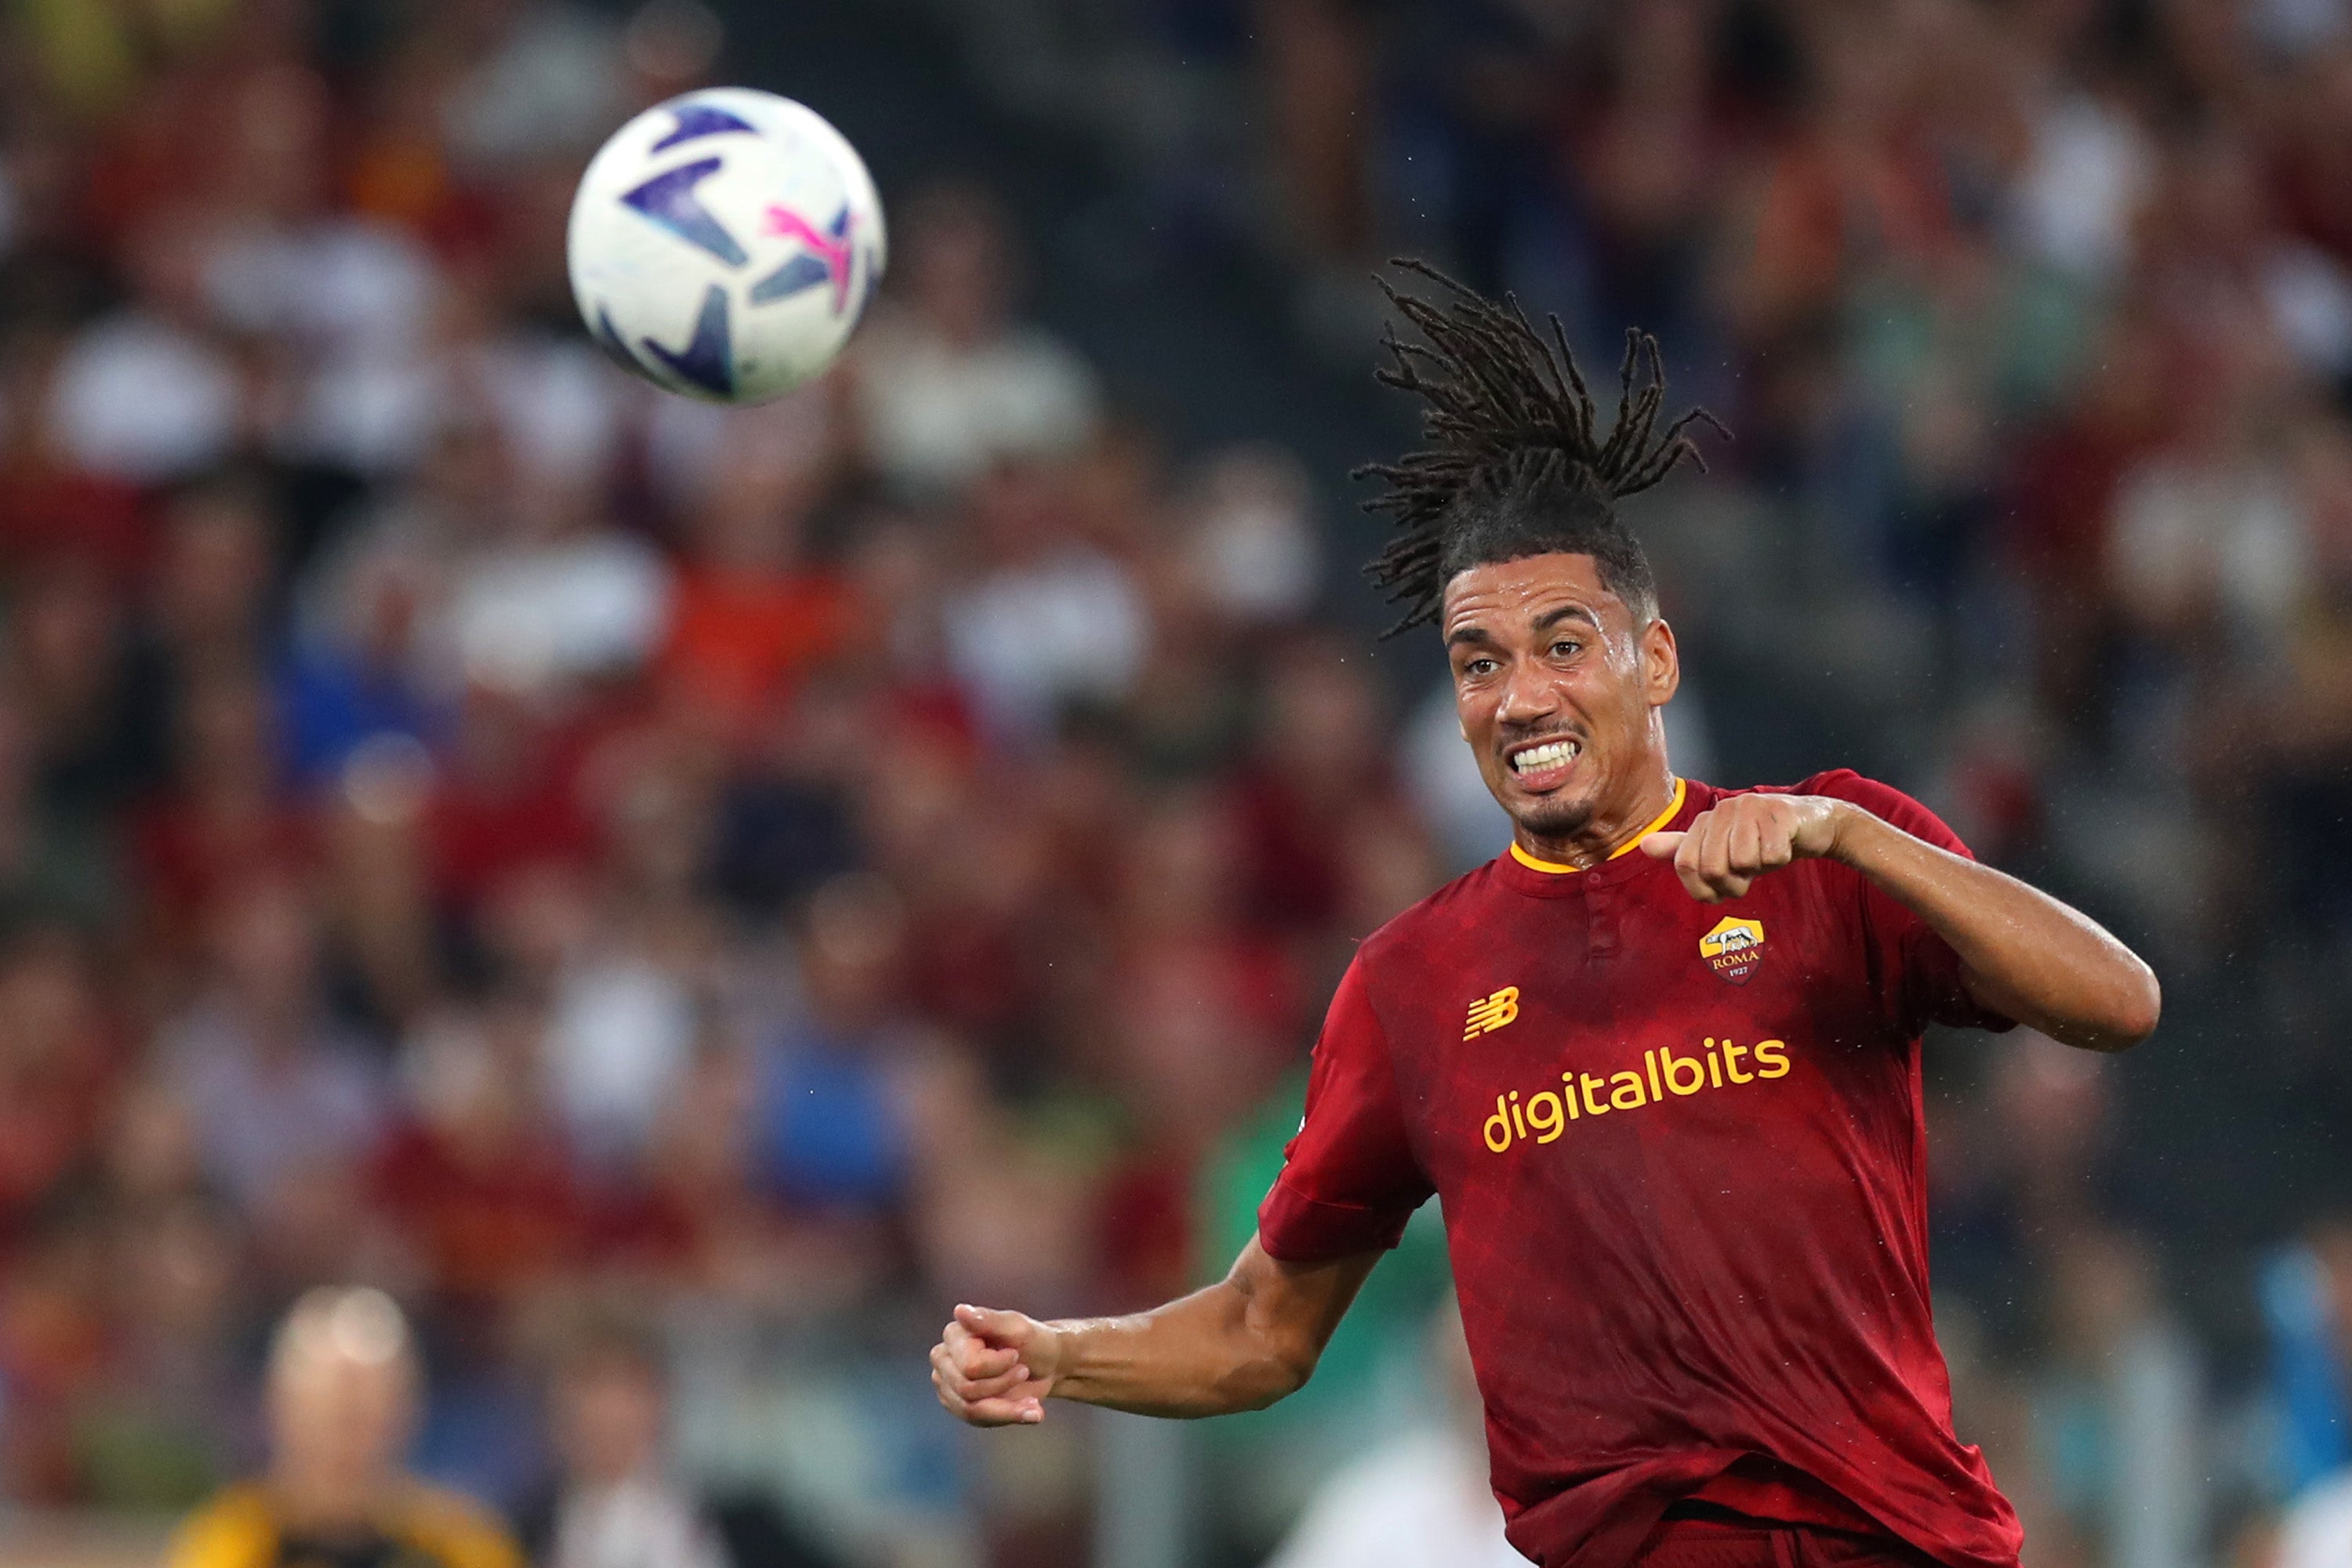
(1532, 864)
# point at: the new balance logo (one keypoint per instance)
(1489, 1014)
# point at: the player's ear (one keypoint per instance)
(1662, 663)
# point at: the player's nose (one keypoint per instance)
(1527, 698)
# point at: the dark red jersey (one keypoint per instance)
(1682, 1158)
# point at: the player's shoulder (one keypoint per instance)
(233, 1528)
(1879, 799)
(456, 1529)
(1421, 931)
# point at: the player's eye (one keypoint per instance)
(1566, 648)
(1480, 666)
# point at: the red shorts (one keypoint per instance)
(1710, 1543)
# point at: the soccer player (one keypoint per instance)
(343, 1397)
(1660, 1062)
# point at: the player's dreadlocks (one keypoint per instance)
(1515, 464)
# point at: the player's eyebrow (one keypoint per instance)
(1472, 634)
(1551, 619)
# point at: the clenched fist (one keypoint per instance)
(996, 1369)
(1726, 848)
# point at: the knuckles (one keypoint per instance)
(1731, 843)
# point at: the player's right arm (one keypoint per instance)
(1349, 1183)
(1239, 1344)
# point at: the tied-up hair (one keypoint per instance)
(1517, 463)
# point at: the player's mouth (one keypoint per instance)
(1543, 764)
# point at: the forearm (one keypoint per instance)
(2026, 954)
(1196, 1356)
(1241, 1344)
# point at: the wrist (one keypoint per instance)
(1849, 834)
(1057, 1353)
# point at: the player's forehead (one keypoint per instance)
(1502, 597)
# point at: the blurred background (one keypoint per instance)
(677, 899)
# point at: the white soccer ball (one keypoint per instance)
(724, 244)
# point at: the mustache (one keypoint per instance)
(1509, 734)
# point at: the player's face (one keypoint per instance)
(1558, 687)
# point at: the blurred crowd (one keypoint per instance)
(473, 826)
(481, 827)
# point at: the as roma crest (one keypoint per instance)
(1734, 949)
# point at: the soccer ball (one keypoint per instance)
(724, 244)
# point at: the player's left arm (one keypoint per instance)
(2023, 955)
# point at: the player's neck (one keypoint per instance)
(312, 1499)
(1612, 830)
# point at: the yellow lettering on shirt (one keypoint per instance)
(1543, 1116)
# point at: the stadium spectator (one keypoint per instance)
(616, 1502)
(2119, 1411)
(58, 1063)
(752, 616)
(335, 304)
(278, 1090)
(1417, 1498)
(949, 384)
(539, 80)
(2313, 1531)
(343, 1395)
(2306, 1292)
(1252, 541)
(152, 393)
(167, 1419)
(558, 598)
(1049, 621)
(472, 1172)
(831, 1129)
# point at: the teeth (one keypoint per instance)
(1535, 758)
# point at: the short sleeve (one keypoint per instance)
(1348, 1178)
(1915, 971)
